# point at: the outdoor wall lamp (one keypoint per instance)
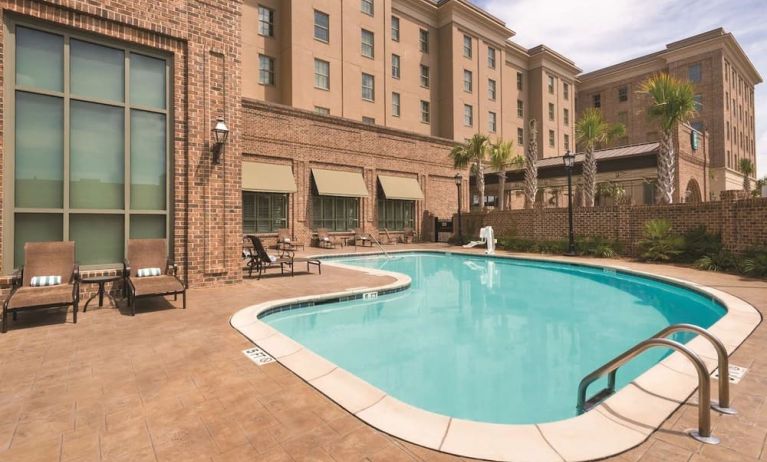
(220, 133)
(569, 161)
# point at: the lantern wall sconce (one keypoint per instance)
(220, 134)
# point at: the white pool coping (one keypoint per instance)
(619, 423)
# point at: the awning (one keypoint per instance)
(402, 188)
(273, 178)
(338, 183)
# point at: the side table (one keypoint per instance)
(101, 281)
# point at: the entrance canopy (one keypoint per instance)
(400, 188)
(272, 178)
(338, 183)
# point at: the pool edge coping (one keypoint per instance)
(612, 427)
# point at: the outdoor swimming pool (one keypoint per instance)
(493, 339)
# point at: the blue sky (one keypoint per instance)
(597, 33)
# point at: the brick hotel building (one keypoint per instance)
(341, 113)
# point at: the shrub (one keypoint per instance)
(659, 243)
(720, 261)
(598, 247)
(755, 263)
(699, 243)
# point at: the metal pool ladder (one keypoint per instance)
(374, 239)
(703, 434)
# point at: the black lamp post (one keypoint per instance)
(458, 183)
(220, 133)
(569, 161)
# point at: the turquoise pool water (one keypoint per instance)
(491, 339)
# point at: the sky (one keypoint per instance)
(598, 33)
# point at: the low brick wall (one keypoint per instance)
(742, 223)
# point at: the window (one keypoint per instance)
(424, 76)
(395, 104)
(396, 214)
(423, 37)
(468, 115)
(551, 111)
(597, 99)
(368, 87)
(491, 122)
(395, 28)
(335, 213)
(265, 70)
(623, 94)
(321, 74)
(491, 57)
(567, 142)
(264, 212)
(368, 120)
(467, 81)
(623, 118)
(265, 21)
(425, 112)
(728, 130)
(698, 102)
(395, 66)
(727, 99)
(519, 81)
(521, 136)
(566, 90)
(89, 189)
(491, 89)
(367, 7)
(520, 108)
(694, 73)
(367, 44)
(321, 110)
(321, 26)
(551, 84)
(552, 138)
(566, 116)
(467, 46)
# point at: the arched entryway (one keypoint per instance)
(692, 193)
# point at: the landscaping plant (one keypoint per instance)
(592, 131)
(659, 243)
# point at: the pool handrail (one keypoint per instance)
(703, 434)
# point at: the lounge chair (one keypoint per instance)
(408, 235)
(324, 239)
(285, 242)
(50, 263)
(260, 260)
(362, 237)
(148, 272)
(386, 238)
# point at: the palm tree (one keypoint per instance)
(501, 157)
(591, 131)
(672, 103)
(746, 167)
(531, 170)
(473, 153)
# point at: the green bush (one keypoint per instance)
(659, 243)
(598, 247)
(516, 244)
(720, 261)
(755, 263)
(699, 243)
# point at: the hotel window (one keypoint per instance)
(468, 83)
(395, 104)
(424, 76)
(367, 44)
(551, 111)
(566, 116)
(423, 38)
(321, 110)
(597, 100)
(698, 102)
(90, 148)
(468, 115)
(264, 212)
(552, 138)
(566, 90)
(521, 136)
(425, 112)
(396, 214)
(491, 57)
(727, 99)
(368, 120)
(367, 7)
(467, 46)
(551, 84)
(567, 142)
(491, 122)
(265, 70)
(623, 94)
(694, 73)
(321, 26)
(519, 81)
(520, 108)
(335, 213)
(491, 89)
(395, 66)
(395, 28)
(265, 21)
(728, 130)
(321, 74)
(368, 87)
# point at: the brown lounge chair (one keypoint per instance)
(324, 239)
(260, 260)
(145, 254)
(44, 259)
(408, 235)
(363, 237)
(285, 242)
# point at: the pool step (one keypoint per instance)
(600, 396)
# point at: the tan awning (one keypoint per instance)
(402, 188)
(337, 183)
(273, 178)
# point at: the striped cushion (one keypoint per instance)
(144, 272)
(42, 281)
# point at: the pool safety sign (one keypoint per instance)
(735, 375)
(258, 356)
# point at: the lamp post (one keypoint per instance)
(458, 183)
(220, 133)
(569, 161)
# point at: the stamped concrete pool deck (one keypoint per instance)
(174, 385)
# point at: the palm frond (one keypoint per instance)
(672, 100)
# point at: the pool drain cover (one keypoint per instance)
(735, 375)
(258, 356)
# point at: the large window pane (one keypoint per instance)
(147, 226)
(35, 227)
(147, 81)
(147, 165)
(96, 71)
(39, 168)
(98, 238)
(39, 59)
(97, 161)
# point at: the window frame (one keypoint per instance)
(551, 83)
(318, 74)
(364, 46)
(520, 81)
(596, 100)
(392, 223)
(270, 73)
(552, 112)
(468, 46)
(350, 223)
(425, 112)
(372, 87)
(697, 66)
(566, 116)
(326, 29)
(623, 93)
(395, 31)
(368, 7)
(492, 122)
(269, 23)
(492, 89)
(425, 77)
(552, 139)
(423, 40)
(395, 69)
(321, 110)
(396, 104)
(468, 81)
(273, 227)
(468, 115)
(491, 58)
(520, 136)
(520, 109)
(566, 91)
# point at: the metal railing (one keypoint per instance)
(374, 239)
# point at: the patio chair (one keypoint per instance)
(258, 259)
(50, 278)
(408, 235)
(148, 272)
(362, 237)
(285, 242)
(324, 239)
(386, 238)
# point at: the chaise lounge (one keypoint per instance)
(260, 260)
(148, 272)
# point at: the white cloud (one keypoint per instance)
(597, 33)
